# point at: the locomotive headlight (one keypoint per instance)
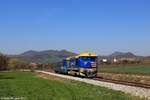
(94, 69)
(81, 69)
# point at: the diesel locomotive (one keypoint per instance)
(84, 65)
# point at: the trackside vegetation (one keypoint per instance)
(27, 85)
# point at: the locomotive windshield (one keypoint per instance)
(88, 58)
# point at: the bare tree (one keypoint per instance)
(3, 62)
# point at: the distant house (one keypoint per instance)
(115, 60)
(34, 65)
(104, 60)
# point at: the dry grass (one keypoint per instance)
(145, 79)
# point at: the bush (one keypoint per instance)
(17, 64)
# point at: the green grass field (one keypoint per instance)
(31, 87)
(126, 69)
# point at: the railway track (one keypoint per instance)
(135, 84)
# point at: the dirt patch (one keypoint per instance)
(49, 77)
(144, 79)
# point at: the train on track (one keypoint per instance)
(83, 65)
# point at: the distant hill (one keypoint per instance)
(122, 55)
(52, 56)
(148, 57)
(47, 56)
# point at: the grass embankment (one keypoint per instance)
(140, 74)
(31, 87)
(126, 69)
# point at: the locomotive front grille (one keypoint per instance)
(90, 72)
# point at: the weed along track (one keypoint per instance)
(135, 89)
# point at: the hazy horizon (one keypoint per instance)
(75, 25)
(74, 52)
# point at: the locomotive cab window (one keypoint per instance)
(88, 58)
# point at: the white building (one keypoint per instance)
(104, 60)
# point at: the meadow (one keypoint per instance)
(31, 87)
(126, 69)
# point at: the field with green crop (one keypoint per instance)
(126, 69)
(27, 85)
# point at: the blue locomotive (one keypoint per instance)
(84, 65)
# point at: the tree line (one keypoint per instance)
(7, 63)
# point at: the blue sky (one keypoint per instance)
(103, 26)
